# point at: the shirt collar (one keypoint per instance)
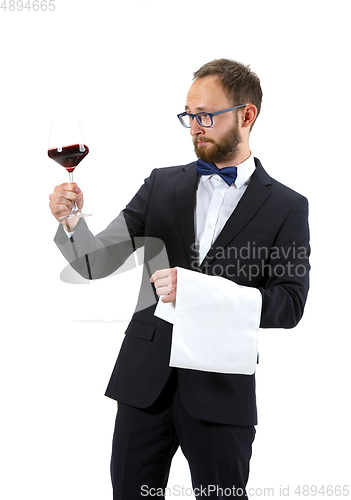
(245, 170)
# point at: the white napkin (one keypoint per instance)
(215, 324)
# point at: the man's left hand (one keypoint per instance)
(165, 282)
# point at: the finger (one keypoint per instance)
(64, 198)
(163, 282)
(163, 290)
(169, 279)
(171, 297)
(163, 273)
(60, 210)
(56, 200)
(174, 276)
(163, 285)
(61, 200)
(69, 195)
(80, 201)
(66, 186)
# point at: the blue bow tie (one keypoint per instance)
(228, 174)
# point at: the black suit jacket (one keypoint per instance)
(264, 244)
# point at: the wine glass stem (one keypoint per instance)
(74, 206)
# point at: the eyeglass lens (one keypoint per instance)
(203, 118)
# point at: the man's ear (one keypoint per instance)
(249, 114)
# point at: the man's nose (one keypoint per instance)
(196, 128)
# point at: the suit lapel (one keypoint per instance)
(185, 186)
(253, 198)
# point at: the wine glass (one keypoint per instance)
(67, 146)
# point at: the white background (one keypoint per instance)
(123, 69)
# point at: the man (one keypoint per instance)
(221, 225)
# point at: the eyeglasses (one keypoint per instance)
(203, 119)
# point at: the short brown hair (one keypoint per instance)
(240, 83)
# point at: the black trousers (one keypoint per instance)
(145, 441)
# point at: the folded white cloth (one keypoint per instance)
(215, 324)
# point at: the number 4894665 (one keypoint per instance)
(35, 5)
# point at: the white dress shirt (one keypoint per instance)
(215, 201)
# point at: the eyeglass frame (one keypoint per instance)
(211, 115)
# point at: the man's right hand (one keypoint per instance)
(61, 201)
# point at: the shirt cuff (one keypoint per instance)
(215, 324)
(69, 234)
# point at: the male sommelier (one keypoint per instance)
(237, 244)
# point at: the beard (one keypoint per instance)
(222, 150)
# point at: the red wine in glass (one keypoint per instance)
(69, 156)
(67, 147)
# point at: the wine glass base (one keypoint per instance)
(75, 214)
